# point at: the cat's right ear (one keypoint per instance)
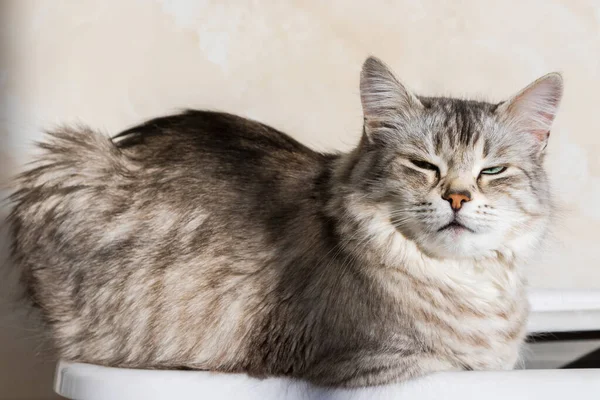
(534, 108)
(383, 97)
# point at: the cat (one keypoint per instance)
(208, 241)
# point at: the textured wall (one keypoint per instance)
(295, 65)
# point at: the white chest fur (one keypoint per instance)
(471, 312)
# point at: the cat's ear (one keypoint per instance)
(533, 109)
(382, 95)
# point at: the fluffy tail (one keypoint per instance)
(72, 157)
(64, 181)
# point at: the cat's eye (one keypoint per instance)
(424, 165)
(493, 170)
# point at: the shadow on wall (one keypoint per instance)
(26, 364)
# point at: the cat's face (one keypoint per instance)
(459, 178)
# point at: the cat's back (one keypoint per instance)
(227, 165)
(218, 142)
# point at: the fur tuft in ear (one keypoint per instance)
(534, 108)
(382, 95)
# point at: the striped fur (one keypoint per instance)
(207, 241)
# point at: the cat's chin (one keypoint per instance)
(456, 241)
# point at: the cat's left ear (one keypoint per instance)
(533, 109)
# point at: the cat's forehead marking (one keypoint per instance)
(457, 123)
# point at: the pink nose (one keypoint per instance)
(457, 198)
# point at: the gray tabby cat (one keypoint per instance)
(208, 241)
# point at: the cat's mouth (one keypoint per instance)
(455, 226)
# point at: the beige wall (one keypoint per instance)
(295, 65)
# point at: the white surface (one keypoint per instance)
(89, 382)
(564, 310)
(549, 300)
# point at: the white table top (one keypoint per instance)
(91, 382)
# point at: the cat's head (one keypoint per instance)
(460, 178)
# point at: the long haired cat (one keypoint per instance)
(208, 241)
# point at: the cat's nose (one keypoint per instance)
(456, 198)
